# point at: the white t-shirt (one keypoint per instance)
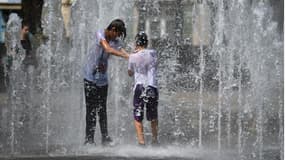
(144, 66)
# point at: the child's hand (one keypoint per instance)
(126, 54)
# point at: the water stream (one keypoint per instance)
(220, 81)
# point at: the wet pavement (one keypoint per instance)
(95, 158)
(128, 152)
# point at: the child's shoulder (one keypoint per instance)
(99, 33)
(149, 50)
(144, 52)
(152, 52)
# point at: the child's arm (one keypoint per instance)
(107, 48)
(125, 52)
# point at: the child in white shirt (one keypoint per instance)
(143, 65)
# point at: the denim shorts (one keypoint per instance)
(145, 97)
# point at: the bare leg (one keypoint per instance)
(140, 134)
(154, 128)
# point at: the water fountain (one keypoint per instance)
(221, 94)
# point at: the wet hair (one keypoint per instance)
(141, 39)
(25, 24)
(119, 26)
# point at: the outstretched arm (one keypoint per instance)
(107, 48)
(125, 52)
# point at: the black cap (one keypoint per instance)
(141, 39)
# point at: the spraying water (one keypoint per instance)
(220, 80)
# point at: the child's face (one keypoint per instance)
(26, 30)
(114, 34)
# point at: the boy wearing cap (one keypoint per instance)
(143, 66)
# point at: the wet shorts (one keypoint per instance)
(148, 98)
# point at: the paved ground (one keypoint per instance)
(121, 152)
(94, 158)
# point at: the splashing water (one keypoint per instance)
(221, 88)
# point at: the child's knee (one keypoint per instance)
(138, 114)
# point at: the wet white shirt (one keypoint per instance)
(144, 65)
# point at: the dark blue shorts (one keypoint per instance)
(148, 98)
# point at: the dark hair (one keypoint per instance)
(25, 24)
(141, 39)
(119, 26)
